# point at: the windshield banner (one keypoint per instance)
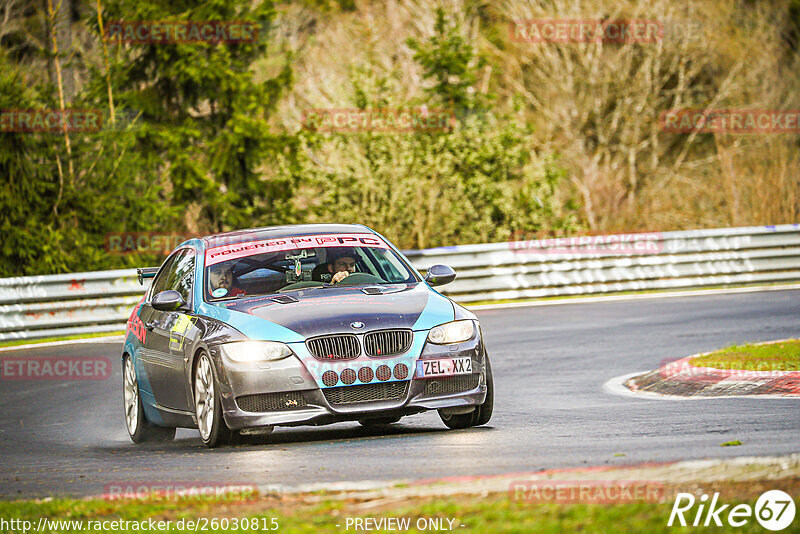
(240, 250)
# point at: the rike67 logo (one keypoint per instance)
(774, 510)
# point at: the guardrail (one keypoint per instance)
(59, 305)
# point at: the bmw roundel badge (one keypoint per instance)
(356, 325)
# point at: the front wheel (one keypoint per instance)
(478, 416)
(139, 429)
(208, 408)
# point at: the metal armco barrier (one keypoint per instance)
(66, 304)
(670, 260)
(44, 306)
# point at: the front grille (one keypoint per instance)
(348, 376)
(387, 342)
(366, 374)
(338, 347)
(401, 371)
(271, 402)
(329, 378)
(383, 373)
(453, 384)
(366, 393)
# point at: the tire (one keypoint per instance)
(376, 421)
(208, 407)
(139, 428)
(487, 407)
(481, 414)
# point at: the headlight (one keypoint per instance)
(454, 332)
(255, 351)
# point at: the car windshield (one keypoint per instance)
(288, 264)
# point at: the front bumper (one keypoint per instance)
(285, 393)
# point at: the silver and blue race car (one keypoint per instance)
(297, 325)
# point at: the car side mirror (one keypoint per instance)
(169, 300)
(439, 275)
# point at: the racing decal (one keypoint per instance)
(438, 310)
(249, 325)
(135, 324)
(338, 307)
(222, 253)
(177, 334)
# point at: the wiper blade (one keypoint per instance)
(300, 288)
(285, 299)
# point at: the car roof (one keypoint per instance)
(276, 232)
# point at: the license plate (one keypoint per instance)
(444, 367)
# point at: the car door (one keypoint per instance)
(164, 361)
(150, 359)
(183, 333)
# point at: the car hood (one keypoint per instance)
(313, 312)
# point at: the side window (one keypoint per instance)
(182, 275)
(160, 281)
(384, 267)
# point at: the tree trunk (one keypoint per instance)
(60, 20)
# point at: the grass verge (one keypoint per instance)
(321, 513)
(781, 356)
(16, 342)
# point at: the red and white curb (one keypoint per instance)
(681, 379)
(749, 382)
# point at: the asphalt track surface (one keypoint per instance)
(551, 410)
